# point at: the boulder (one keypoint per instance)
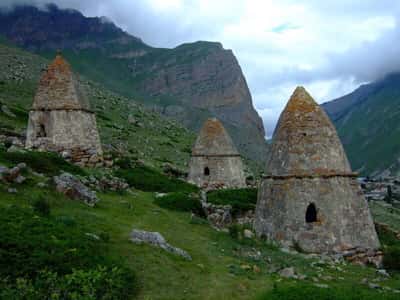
(287, 273)
(248, 234)
(157, 240)
(73, 188)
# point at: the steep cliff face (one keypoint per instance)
(203, 76)
(190, 83)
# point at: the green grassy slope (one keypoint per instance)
(125, 126)
(222, 267)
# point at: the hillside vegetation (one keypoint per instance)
(223, 267)
(126, 127)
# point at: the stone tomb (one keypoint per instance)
(309, 198)
(61, 120)
(215, 162)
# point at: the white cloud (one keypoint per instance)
(328, 46)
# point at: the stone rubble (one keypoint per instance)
(73, 188)
(12, 175)
(157, 240)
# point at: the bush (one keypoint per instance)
(241, 200)
(391, 258)
(150, 180)
(43, 162)
(97, 283)
(181, 202)
(391, 248)
(301, 291)
(41, 207)
(48, 258)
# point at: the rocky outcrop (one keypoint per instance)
(157, 240)
(73, 188)
(12, 175)
(205, 76)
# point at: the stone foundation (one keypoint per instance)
(342, 218)
(72, 133)
(223, 172)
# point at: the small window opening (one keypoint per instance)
(311, 213)
(42, 131)
(207, 171)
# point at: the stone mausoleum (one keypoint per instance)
(309, 198)
(61, 120)
(215, 162)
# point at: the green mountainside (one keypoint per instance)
(188, 83)
(368, 123)
(125, 126)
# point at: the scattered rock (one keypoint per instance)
(7, 111)
(20, 179)
(373, 285)
(12, 175)
(12, 190)
(92, 235)
(248, 234)
(42, 184)
(70, 186)
(287, 273)
(156, 239)
(321, 285)
(383, 272)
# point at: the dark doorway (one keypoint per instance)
(206, 171)
(42, 131)
(311, 213)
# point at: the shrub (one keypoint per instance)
(300, 291)
(235, 231)
(42, 162)
(150, 180)
(391, 258)
(180, 201)
(97, 283)
(391, 247)
(41, 207)
(241, 200)
(47, 258)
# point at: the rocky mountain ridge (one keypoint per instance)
(189, 83)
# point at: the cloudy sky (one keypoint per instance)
(329, 46)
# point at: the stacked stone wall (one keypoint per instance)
(224, 172)
(72, 133)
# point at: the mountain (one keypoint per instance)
(368, 123)
(189, 83)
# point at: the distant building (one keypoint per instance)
(309, 197)
(61, 120)
(215, 162)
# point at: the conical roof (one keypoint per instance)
(305, 141)
(59, 89)
(213, 139)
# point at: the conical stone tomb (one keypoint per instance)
(61, 120)
(309, 197)
(215, 162)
